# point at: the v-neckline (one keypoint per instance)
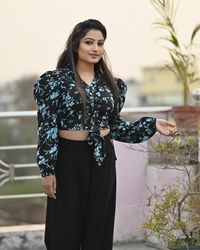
(92, 82)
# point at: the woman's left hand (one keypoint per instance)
(167, 128)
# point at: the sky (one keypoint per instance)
(33, 33)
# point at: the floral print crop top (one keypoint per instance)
(59, 107)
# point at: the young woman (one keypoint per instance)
(79, 106)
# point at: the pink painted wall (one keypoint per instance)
(133, 174)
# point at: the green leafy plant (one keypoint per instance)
(174, 209)
(174, 217)
(183, 59)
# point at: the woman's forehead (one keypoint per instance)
(94, 35)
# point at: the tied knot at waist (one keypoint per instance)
(96, 140)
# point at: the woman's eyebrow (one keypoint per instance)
(93, 39)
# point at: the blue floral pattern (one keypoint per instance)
(60, 107)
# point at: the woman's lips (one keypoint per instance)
(94, 55)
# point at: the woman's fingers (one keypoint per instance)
(51, 193)
(167, 128)
(54, 187)
(175, 133)
(47, 189)
(49, 186)
(172, 131)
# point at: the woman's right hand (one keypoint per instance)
(49, 185)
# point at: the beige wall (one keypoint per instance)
(158, 81)
(160, 84)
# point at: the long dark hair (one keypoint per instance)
(70, 56)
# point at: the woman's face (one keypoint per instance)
(91, 47)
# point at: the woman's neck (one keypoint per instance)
(83, 68)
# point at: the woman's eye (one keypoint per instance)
(100, 44)
(88, 42)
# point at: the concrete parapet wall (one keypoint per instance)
(26, 237)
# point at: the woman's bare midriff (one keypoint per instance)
(80, 135)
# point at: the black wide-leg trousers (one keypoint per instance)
(82, 215)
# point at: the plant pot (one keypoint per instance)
(186, 116)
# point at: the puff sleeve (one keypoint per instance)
(46, 95)
(129, 132)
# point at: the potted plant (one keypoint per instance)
(183, 61)
(174, 209)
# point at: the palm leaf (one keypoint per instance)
(176, 8)
(178, 65)
(195, 31)
(158, 5)
(159, 23)
(172, 69)
(191, 77)
(182, 57)
(174, 39)
(170, 24)
(195, 80)
(173, 10)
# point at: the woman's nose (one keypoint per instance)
(95, 47)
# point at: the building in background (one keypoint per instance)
(160, 87)
(6, 98)
(132, 95)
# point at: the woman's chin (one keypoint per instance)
(92, 61)
(95, 60)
